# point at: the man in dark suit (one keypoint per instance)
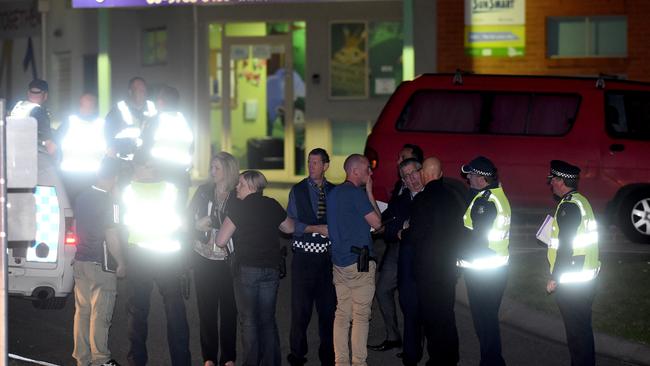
(434, 229)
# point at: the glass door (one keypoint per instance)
(258, 124)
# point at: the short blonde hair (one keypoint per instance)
(230, 167)
(255, 179)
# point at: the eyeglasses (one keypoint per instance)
(36, 91)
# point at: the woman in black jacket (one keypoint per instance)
(212, 275)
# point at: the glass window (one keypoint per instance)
(154, 46)
(385, 46)
(552, 115)
(490, 113)
(460, 112)
(627, 115)
(604, 36)
(348, 137)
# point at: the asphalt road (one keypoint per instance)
(46, 335)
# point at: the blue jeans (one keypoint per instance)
(256, 291)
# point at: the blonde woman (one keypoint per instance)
(212, 273)
(254, 220)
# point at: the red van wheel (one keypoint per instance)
(635, 216)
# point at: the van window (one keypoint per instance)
(627, 114)
(442, 112)
(490, 113)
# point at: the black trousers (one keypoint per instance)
(215, 299)
(437, 297)
(311, 284)
(574, 301)
(145, 268)
(385, 290)
(484, 290)
(408, 300)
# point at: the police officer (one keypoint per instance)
(127, 119)
(83, 146)
(573, 259)
(34, 107)
(311, 266)
(485, 255)
(168, 138)
(155, 255)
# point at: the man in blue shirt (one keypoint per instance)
(311, 266)
(351, 213)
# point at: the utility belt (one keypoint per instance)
(363, 261)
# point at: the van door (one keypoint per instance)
(625, 148)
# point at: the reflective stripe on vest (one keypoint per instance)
(585, 243)
(173, 139)
(151, 217)
(498, 236)
(132, 131)
(23, 109)
(83, 145)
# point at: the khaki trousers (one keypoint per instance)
(354, 293)
(94, 293)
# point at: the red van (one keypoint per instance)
(522, 123)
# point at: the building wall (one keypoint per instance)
(451, 53)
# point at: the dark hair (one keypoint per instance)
(491, 180)
(324, 156)
(571, 182)
(169, 95)
(407, 162)
(417, 151)
(134, 79)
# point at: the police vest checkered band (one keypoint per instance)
(564, 175)
(480, 172)
(311, 246)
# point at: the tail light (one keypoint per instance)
(372, 156)
(70, 232)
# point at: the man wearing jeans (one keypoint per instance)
(351, 213)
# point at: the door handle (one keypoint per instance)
(614, 148)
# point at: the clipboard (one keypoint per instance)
(544, 232)
(108, 262)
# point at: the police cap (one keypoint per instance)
(480, 166)
(562, 169)
(38, 86)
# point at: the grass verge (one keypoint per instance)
(622, 304)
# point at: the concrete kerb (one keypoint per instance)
(547, 326)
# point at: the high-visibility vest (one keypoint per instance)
(133, 130)
(83, 147)
(172, 140)
(23, 109)
(499, 234)
(151, 216)
(585, 242)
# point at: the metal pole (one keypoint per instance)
(43, 7)
(3, 236)
(198, 142)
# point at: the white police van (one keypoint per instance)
(41, 249)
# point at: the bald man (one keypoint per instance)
(351, 213)
(435, 228)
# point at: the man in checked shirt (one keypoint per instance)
(311, 267)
